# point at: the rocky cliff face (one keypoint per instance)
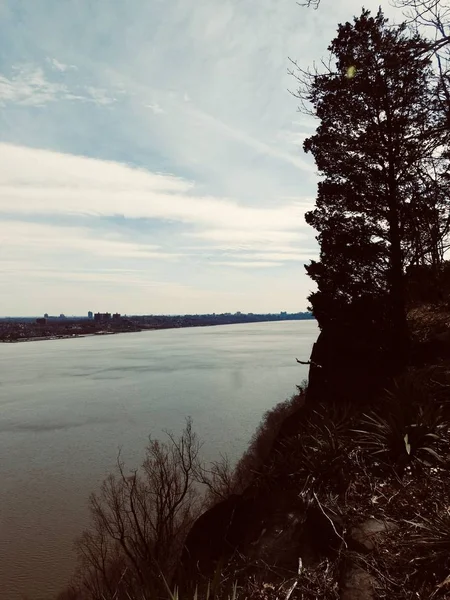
(320, 512)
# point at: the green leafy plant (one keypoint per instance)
(409, 426)
(318, 453)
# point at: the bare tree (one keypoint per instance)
(434, 14)
(139, 521)
(219, 479)
(310, 3)
(432, 18)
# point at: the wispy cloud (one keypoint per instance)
(251, 141)
(99, 96)
(56, 65)
(241, 238)
(248, 264)
(29, 85)
(19, 237)
(155, 108)
(43, 182)
(49, 185)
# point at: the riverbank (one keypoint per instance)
(64, 337)
(28, 330)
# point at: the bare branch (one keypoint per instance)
(308, 362)
(139, 521)
(310, 3)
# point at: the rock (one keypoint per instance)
(221, 530)
(358, 585)
(324, 534)
(208, 540)
(280, 541)
(291, 531)
(443, 337)
(365, 535)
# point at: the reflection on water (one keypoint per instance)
(67, 405)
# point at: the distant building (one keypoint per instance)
(46, 316)
(61, 316)
(116, 317)
(41, 321)
(90, 315)
(101, 317)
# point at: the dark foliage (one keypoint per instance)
(263, 440)
(431, 537)
(377, 210)
(409, 427)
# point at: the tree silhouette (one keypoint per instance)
(379, 149)
(432, 17)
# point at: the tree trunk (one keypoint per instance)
(399, 333)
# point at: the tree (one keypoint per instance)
(379, 138)
(431, 16)
(139, 522)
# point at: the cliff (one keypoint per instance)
(351, 500)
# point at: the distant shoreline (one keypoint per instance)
(63, 337)
(106, 333)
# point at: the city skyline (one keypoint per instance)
(91, 314)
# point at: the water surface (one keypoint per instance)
(67, 405)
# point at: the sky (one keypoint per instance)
(151, 154)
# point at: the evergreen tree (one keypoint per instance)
(379, 136)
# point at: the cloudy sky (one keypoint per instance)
(150, 154)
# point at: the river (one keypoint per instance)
(66, 406)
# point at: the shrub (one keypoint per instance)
(139, 521)
(408, 427)
(431, 540)
(264, 437)
(317, 454)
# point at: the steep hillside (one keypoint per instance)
(353, 499)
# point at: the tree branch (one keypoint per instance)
(308, 362)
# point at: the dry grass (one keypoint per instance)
(429, 320)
